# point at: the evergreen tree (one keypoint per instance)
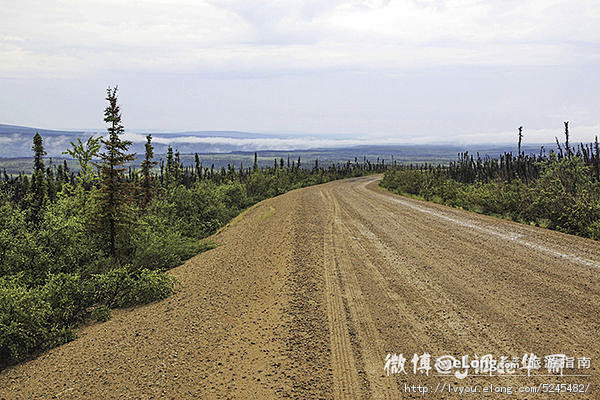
(39, 153)
(170, 169)
(520, 138)
(567, 145)
(115, 193)
(198, 166)
(560, 150)
(177, 167)
(37, 196)
(66, 171)
(147, 165)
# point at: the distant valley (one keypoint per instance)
(220, 148)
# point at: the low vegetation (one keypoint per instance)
(73, 246)
(559, 190)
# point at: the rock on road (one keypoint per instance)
(308, 292)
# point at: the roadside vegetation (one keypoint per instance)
(558, 189)
(74, 246)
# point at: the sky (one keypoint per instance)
(416, 71)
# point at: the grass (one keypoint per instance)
(268, 213)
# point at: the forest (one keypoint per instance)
(73, 246)
(558, 189)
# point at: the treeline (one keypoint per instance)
(73, 246)
(558, 189)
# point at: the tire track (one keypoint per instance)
(377, 256)
(532, 277)
(346, 381)
(371, 346)
(504, 235)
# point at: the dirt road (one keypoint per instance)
(308, 292)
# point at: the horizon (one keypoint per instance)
(285, 141)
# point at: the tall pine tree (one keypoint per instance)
(147, 165)
(170, 170)
(115, 193)
(37, 197)
(39, 153)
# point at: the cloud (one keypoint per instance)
(9, 139)
(84, 37)
(579, 134)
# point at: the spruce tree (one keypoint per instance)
(177, 165)
(39, 153)
(147, 165)
(567, 145)
(170, 169)
(520, 138)
(115, 193)
(66, 171)
(198, 166)
(37, 197)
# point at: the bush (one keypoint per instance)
(405, 181)
(67, 236)
(123, 287)
(68, 298)
(234, 196)
(564, 197)
(24, 322)
(151, 286)
(35, 319)
(567, 197)
(196, 212)
(159, 245)
(19, 250)
(111, 288)
(101, 313)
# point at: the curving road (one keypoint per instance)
(308, 292)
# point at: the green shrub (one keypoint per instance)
(151, 286)
(564, 197)
(67, 296)
(112, 288)
(195, 213)
(24, 322)
(123, 287)
(567, 197)
(234, 196)
(68, 239)
(19, 250)
(101, 313)
(159, 245)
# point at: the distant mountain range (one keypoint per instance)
(16, 141)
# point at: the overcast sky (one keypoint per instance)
(414, 70)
